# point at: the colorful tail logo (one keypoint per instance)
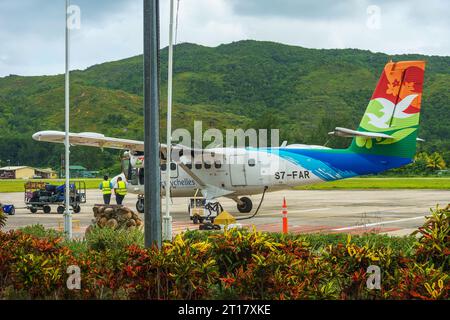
(394, 109)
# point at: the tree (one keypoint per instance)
(436, 162)
(420, 163)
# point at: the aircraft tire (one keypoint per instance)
(246, 206)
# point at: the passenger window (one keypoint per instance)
(173, 166)
(251, 162)
(198, 166)
(163, 167)
(217, 164)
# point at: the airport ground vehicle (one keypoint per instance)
(200, 209)
(41, 195)
(8, 209)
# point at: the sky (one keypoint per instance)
(32, 31)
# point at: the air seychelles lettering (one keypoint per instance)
(186, 183)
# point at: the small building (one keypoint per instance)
(25, 172)
(47, 173)
(77, 171)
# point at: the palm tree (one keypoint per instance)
(436, 162)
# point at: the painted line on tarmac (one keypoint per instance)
(378, 223)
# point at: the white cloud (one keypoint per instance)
(113, 30)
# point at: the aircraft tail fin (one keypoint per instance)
(393, 112)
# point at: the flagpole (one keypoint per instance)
(167, 219)
(67, 212)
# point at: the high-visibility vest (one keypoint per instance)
(106, 187)
(121, 188)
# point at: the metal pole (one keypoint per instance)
(167, 219)
(152, 178)
(67, 212)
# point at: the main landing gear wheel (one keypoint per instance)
(140, 205)
(246, 205)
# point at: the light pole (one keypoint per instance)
(67, 212)
(152, 177)
(167, 219)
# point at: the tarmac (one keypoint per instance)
(394, 212)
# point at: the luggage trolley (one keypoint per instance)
(41, 195)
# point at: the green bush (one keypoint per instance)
(319, 241)
(104, 239)
(39, 231)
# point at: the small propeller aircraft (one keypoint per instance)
(386, 139)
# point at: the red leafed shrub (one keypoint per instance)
(434, 242)
(33, 266)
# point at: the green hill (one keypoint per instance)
(304, 92)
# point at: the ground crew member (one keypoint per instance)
(121, 190)
(106, 186)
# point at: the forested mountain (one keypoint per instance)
(304, 92)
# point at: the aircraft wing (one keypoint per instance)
(89, 139)
(344, 132)
(92, 139)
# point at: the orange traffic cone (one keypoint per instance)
(285, 219)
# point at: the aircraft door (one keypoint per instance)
(237, 170)
(253, 171)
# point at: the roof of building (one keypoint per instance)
(76, 167)
(13, 168)
(47, 170)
